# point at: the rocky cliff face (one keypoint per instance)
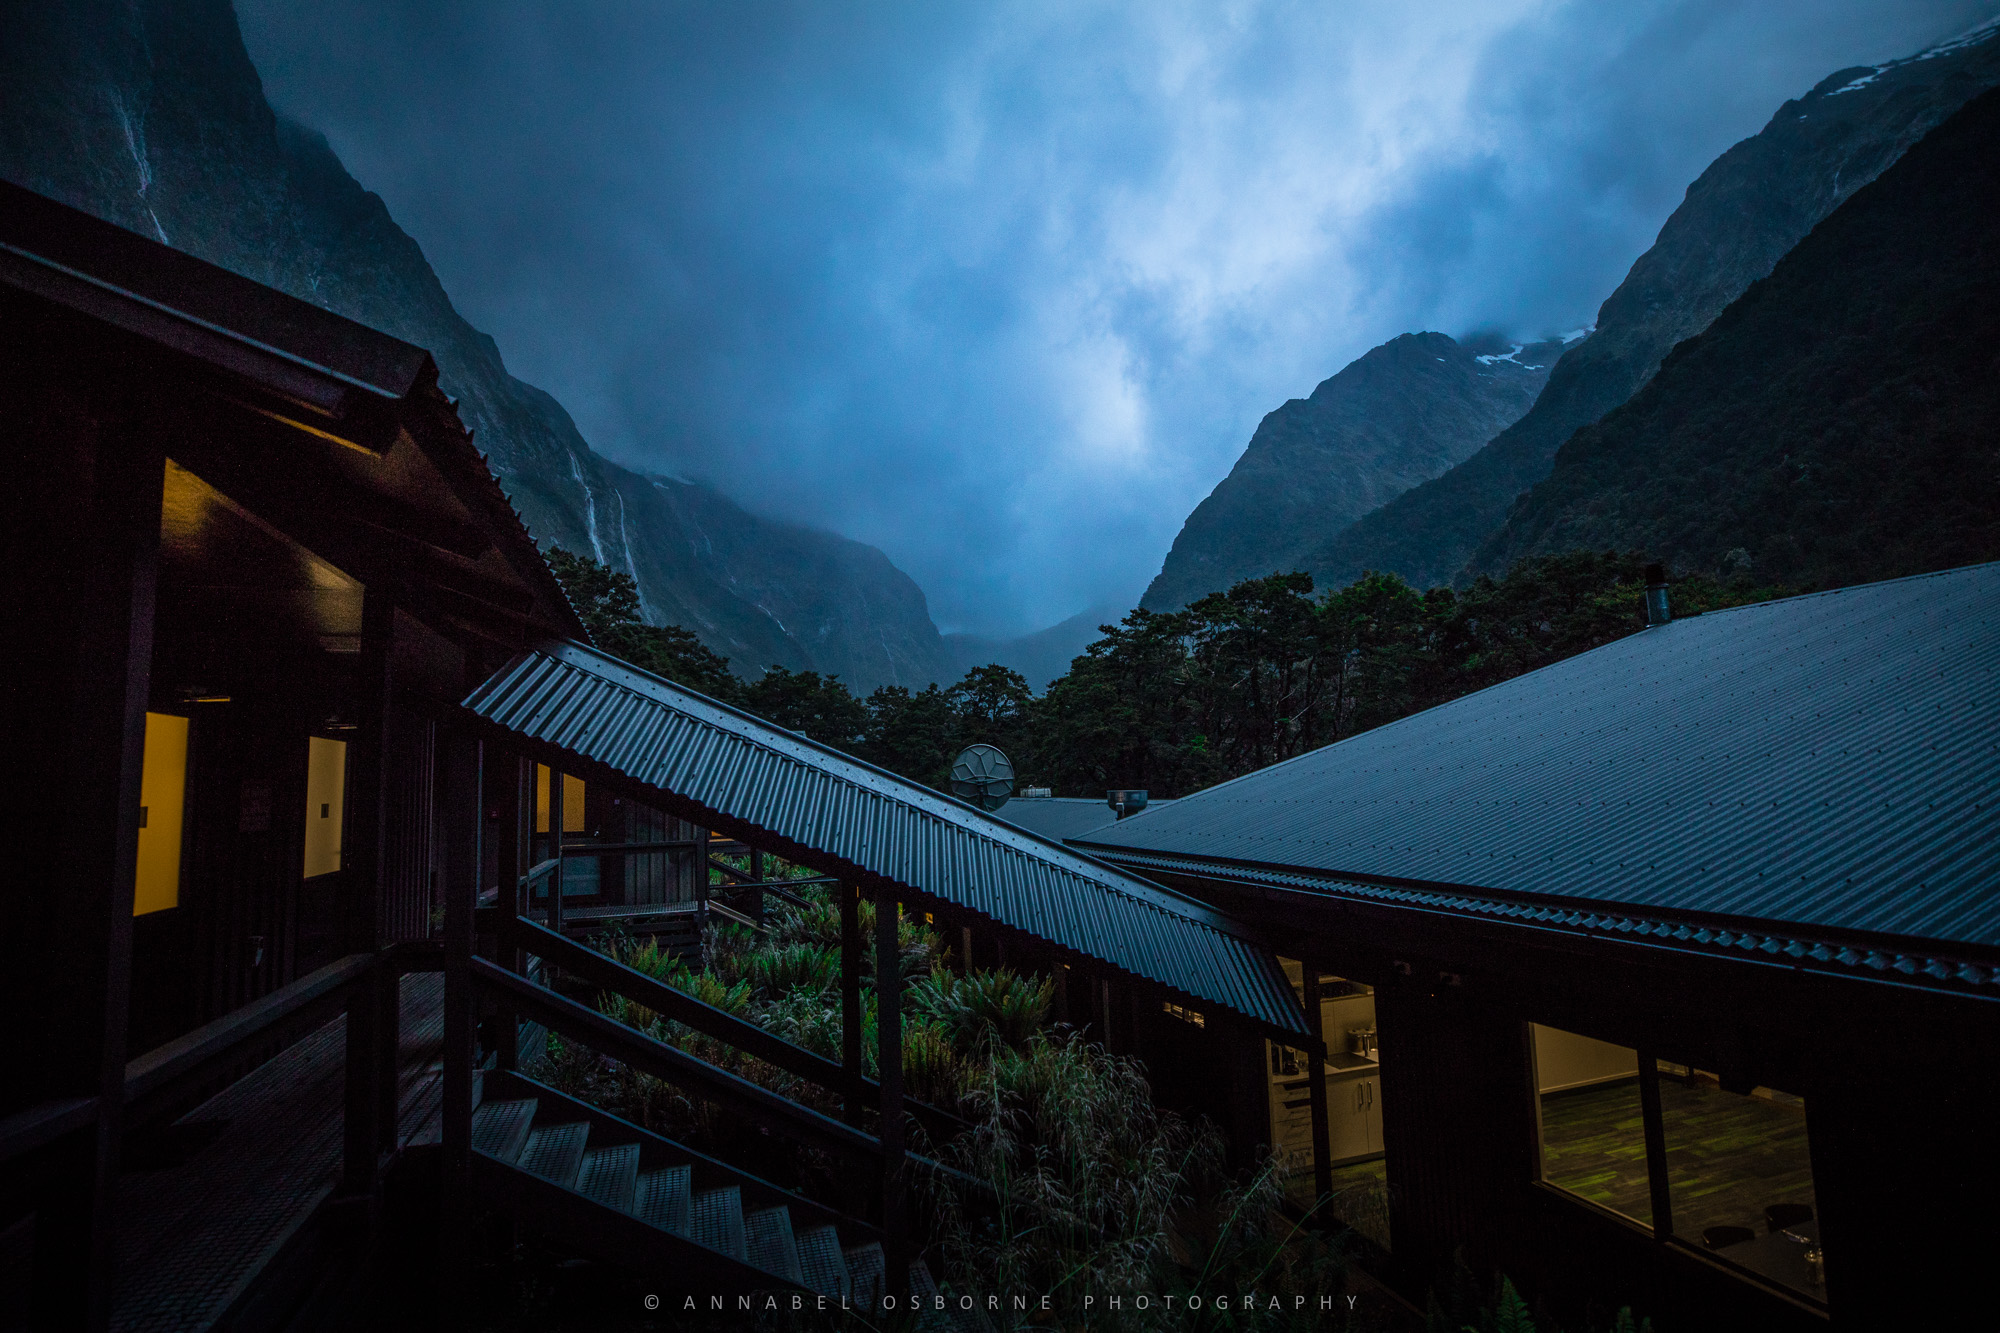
(1839, 422)
(1753, 204)
(1399, 415)
(150, 114)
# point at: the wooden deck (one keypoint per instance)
(266, 1152)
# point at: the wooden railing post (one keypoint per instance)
(361, 1134)
(850, 999)
(889, 1038)
(1322, 1133)
(464, 817)
(507, 1027)
(388, 998)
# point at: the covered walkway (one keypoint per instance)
(587, 713)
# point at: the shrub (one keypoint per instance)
(792, 968)
(932, 1070)
(983, 1007)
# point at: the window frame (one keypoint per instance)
(1660, 1193)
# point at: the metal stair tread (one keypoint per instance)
(554, 1152)
(822, 1267)
(662, 1199)
(864, 1267)
(718, 1221)
(923, 1290)
(609, 1175)
(500, 1129)
(767, 1235)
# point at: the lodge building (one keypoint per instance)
(1664, 976)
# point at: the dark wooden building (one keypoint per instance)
(252, 557)
(316, 786)
(1664, 976)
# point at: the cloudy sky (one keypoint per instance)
(1004, 288)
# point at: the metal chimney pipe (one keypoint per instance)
(1657, 610)
(1126, 801)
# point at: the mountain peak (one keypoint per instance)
(1399, 413)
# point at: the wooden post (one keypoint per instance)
(1322, 1133)
(361, 1132)
(1655, 1133)
(889, 1041)
(464, 818)
(362, 874)
(557, 818)
(850, 1000)
(84, 530)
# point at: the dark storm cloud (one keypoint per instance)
(1005, 289)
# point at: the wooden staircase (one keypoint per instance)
(609, 1190)
(647, 1203)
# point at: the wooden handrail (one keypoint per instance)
(577, 849)
(43, 1124)
(565, 1016)
(602, 970)
(186, 1057)
(780, 889)
(607, 1036)
(727, 912)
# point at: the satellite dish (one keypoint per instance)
(982, 776)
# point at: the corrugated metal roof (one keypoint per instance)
(1936, 968)
(730, 771)
(1058, 818)
(1829, 761)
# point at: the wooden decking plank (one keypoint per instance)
(194, 1236)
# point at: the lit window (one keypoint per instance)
(572, 794)
(1593, 1123)
(162, 797)
(1726, 1172)
(1185, 1014)
(326, 790)
(1739, 1175)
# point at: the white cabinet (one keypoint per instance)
(1354, 1116)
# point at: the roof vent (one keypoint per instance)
(1128, 801)
(1657, 610)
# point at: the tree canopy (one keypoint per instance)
(1177, 701)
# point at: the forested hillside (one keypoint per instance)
(1739, 218)
(1840, 422)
